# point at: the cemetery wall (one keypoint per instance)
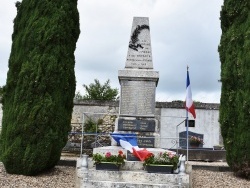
(171, 116)
(1, 115)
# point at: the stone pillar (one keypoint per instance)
(138, 83)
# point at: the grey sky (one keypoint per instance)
(182, 33)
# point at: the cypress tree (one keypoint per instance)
(40, 86)
(234, 53)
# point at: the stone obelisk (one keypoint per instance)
(138, 83)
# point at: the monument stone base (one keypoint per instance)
(131, 174)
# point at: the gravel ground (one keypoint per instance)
(206, 178)
(59, 177)
(62, 176)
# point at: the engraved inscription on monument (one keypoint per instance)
(144, 142)
(137, 97)
(136, 125)
(139, 51)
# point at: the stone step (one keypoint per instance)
(129, 179)
(140, 176)
(109, 184)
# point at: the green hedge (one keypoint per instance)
(234, 52)
(40, 87)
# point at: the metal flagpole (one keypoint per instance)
(187, 124)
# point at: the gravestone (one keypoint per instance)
(183, 138)
(138, 83)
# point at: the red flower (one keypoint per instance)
(120, 152)
(108, 154)
(149, 155)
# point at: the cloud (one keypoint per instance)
(182, 33)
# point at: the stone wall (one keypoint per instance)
(1, 116)
(171, 116)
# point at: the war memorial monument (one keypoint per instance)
(138, 82)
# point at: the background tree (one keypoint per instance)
(78, 96)
(40, 87)
(97, 91)
(234, 52)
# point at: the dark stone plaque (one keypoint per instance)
(146, 142)
(127, 125)
(146, 125)
(131, 157)
(191, 123)
(136, 125)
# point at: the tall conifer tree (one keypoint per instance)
(40, 87)
(234, 52)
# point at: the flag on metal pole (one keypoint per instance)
(189, 102)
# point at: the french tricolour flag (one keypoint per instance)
(189, 101)
(129, 142)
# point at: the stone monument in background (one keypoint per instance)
(138, 83)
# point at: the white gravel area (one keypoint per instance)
(62, 176)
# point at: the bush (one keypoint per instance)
(91, 127)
